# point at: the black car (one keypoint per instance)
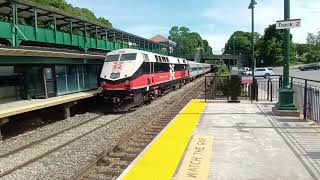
(309, 66)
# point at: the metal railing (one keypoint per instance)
(306, 92)
(307, 97)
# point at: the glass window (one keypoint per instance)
(111, 58)
(145, 57)
(260, 69)
(128, 57)
(61, 78)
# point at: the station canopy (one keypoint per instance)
(27, 10)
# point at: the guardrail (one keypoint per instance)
(306, 92)
(307, 97)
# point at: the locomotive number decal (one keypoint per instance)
(171, 71)
(117, 66)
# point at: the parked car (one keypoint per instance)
(306, 67)
(265, 72)
(241, 70)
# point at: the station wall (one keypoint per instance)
(76, 78)
(37, 81)
(7, 83)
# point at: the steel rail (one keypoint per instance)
(169, 115)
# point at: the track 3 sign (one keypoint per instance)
(294, 23)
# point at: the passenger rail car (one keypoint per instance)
(197, 69)
(131, 77)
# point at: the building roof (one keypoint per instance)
(159, 38)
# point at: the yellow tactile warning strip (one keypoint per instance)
(160, 161)
(196, 163)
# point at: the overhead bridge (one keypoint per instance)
(23, 23)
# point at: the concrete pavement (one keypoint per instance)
(251, 143)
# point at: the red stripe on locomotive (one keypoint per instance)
(146, 80)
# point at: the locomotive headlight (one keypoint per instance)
(127, 82)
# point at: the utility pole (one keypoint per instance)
(285, 104)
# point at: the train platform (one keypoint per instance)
(24, 106)
(218, 140)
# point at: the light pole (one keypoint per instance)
(234, 50)
(251, 6)
(286, 92)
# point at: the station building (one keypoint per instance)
(46, 53)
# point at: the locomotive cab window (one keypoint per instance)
(128, 57)
(111, 58)
(145, 57)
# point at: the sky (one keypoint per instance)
(214, 20)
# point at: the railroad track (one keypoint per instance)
(21, 148)
(56, 148)
(111, 163)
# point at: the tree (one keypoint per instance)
(66, 7)
(240, 42)
(313, 48)
(188, 42)
(270, 47)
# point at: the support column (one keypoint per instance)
(2, 122)
(134, 43)
(114, 41)
(55, 27)
(85, 37)
(96, 37)
(106, 34)
(66, 109)
(122, 42)
(66, 113)
(285, 106)
(71, 29)
(13, 24)
(35, 14)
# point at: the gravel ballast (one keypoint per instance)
(69, 160)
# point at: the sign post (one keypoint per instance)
(285, 106)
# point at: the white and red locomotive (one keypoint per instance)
(130, 76)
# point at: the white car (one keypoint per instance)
(265, 72)
(241, 70)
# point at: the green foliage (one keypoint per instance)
(188, 42)
(302, 49)
(223, 69)
(313, 46)
(241, 42)
(66, 7)
(270, 46)
(309, 52)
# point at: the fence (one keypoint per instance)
(307, 97)
(306, 92)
